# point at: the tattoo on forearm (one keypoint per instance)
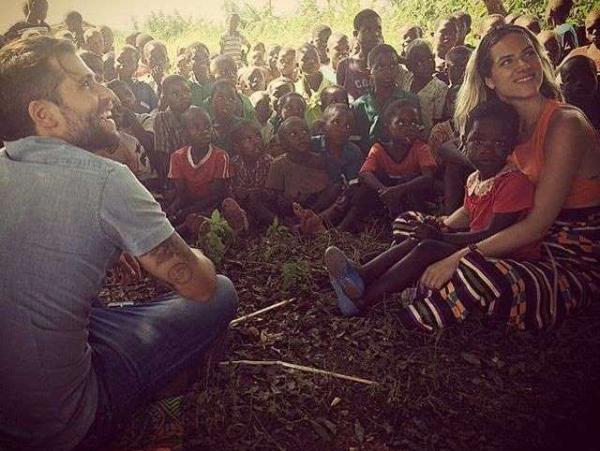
(179, 274)
(174, 246)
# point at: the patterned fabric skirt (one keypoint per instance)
(524, 294)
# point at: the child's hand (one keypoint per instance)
(423, 231)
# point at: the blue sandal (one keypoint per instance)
(341, 270)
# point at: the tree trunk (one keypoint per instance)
(495, 7)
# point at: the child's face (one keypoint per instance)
(126, 97)
(257, 57)
(445, 38)
(183, 66)
(320, 42)
(410, 35)
(226, 70)
(369, 34)
(95, 43)
(127, 64)
(338, 95)
(273, 57)
(309, 62)
(384, 69)
(277, 92)
(421, 62)
(297, 136)
(199, 128)
(286, 63)
(249, 143)
(338, 50)
(404, 126)
(200, 64)
(487, 146)
(157, 59)
(224, 102)
(293, 107)
(592, 28)
(552, 47)
(177, 96)
(338, 127)
(577, 82)
(255, 80)
(455, 68)
(263, 109)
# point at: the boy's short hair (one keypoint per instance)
(117, 85)
(417, 44)
(74, 16)
(287, 96)
(380, 49)
(172, 79)
(464, 17)
(460, 51)
(334, 108)
(130, 38)
(91, 32)
(318, 29)
(130, 48)
(499, 111)
(222, 83)
(399, 104)
(329, 90)
(362, 16)
(142, 39)
(26, 75)
(241, 125)
(193, 109)
(195, 46)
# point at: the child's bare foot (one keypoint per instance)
(235, 216)
(343, 270)
(310, 222)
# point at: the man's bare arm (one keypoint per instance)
(187, 270)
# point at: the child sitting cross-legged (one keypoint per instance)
(200, 170)
(396, 172)
(250, 168)
(497, 195)
(298, 178)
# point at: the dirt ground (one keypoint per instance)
(477, 386)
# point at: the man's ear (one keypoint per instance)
(44, 114)
(489, 83)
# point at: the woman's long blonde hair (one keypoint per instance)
(474, 90)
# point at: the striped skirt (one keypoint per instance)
(524, 294)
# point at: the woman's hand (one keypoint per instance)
(437, 274)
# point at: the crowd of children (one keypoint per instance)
(343, 127)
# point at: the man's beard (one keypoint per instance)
(87, 131)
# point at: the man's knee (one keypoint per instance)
(226, 297)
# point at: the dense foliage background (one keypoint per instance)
(260, 24)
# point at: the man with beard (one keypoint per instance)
(71, 371)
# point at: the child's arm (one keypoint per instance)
(393, 195)
(327, 197)
(500, 221)
(371, 180)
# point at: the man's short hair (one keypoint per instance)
(26, 74)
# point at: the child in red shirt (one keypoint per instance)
(200, 171)
(394, 174)
(497, 195)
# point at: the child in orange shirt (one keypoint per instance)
(395, 172)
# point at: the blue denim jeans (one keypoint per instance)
(137, 350)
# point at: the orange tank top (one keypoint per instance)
(529, 158)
